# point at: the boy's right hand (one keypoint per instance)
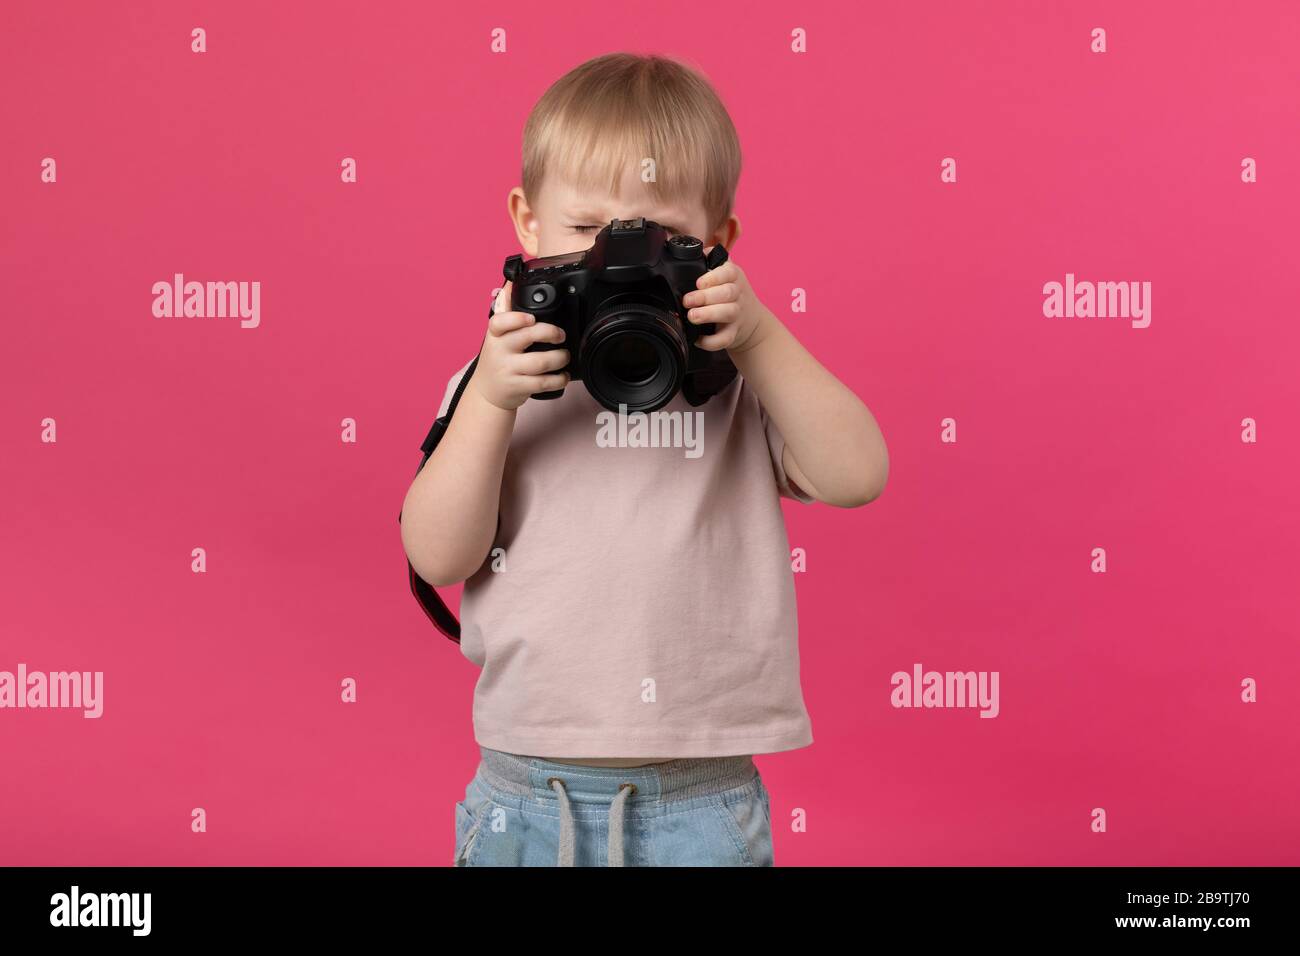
(506, 375)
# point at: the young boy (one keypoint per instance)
(632, 608)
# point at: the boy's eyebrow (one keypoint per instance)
(586, 215)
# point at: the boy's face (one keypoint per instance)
(565, 219)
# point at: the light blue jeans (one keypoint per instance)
(700, 811)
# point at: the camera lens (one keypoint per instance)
(633, 354)
(632, 359)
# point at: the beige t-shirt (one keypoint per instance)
(638, 598)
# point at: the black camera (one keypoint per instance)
(620, 305)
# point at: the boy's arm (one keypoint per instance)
(450, 514)
(834, 449)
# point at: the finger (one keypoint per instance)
(504, 322)
(727, 312)
(549, 383)
(521, 338)
(727, 292)
(538, 363)
(726, 272)
(718, 340)
(502, 303)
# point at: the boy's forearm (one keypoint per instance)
(831, 435)
(449, 517)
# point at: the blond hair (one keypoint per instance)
(614, 111)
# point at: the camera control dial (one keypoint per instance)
(685, 247)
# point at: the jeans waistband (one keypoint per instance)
(680, 779)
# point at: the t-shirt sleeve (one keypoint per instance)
(497, 305)
(451, 389)
(776, 445)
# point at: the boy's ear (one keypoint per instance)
(524, 220)
(727, 233)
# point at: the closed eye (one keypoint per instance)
(669, 229)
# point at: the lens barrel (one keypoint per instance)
(633, 354)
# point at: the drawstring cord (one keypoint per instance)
(566, 854)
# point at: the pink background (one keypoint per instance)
(1119, 691)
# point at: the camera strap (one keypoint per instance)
(424, 592)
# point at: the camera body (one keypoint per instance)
(620, 305)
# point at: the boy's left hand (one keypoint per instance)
(723, 295)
